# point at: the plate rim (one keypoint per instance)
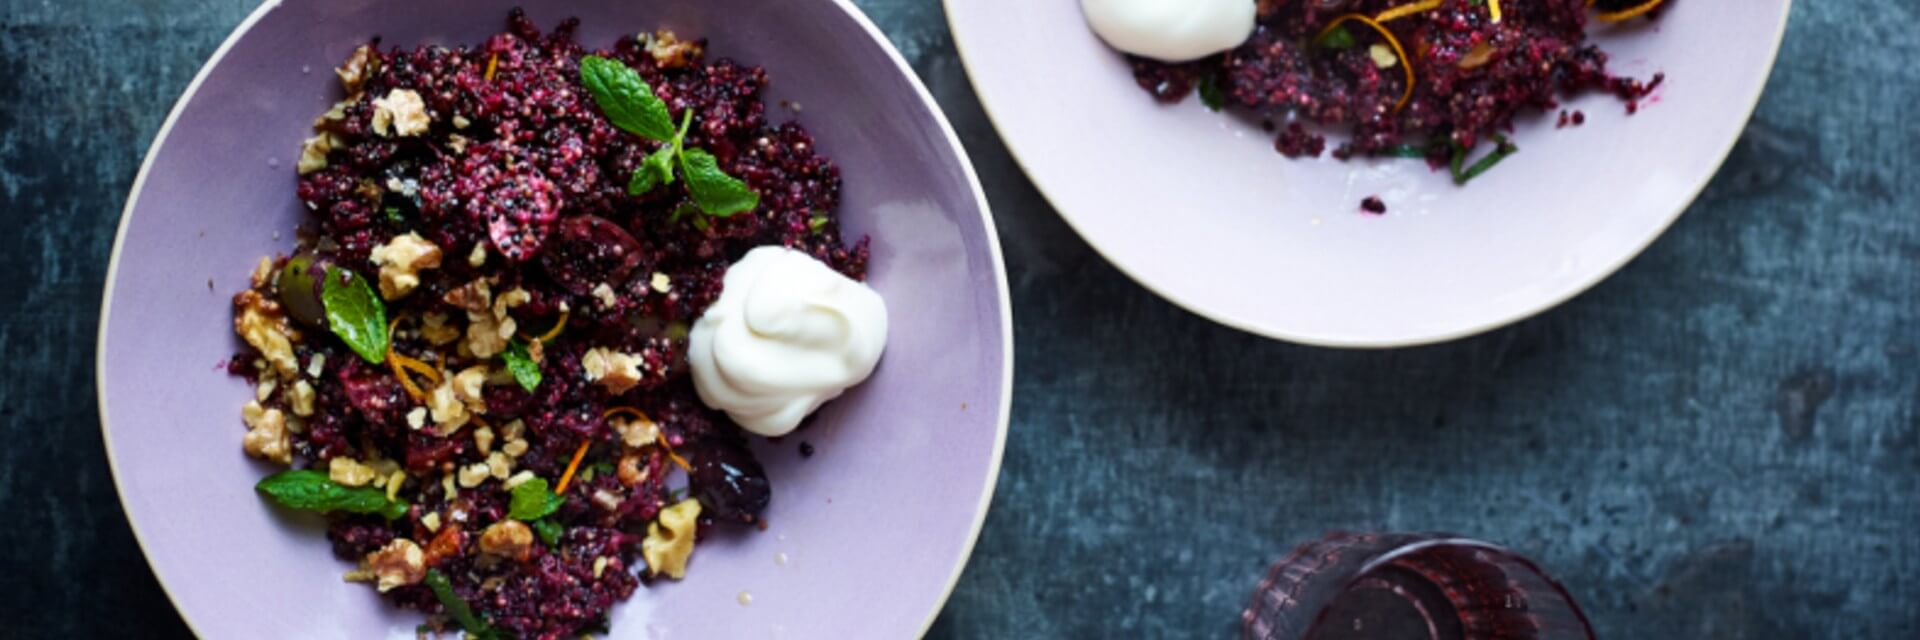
(990, 232)
(1340, 342)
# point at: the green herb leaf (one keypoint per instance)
(626, 99)
(655, 170)
(521, 365)
(549, 531)
(532, 501)
(393, 215)
(313, 491)
(1210, 93)
(718, 194)
(1501, 149)
(355, 313)
(817, 222)
(1338, 38)
(1405, 151)
(458, 609)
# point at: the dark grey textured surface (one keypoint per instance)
(1721, 441)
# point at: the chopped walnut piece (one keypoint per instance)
(262, 270)
(669, 51)
(499, 466)
(637, 432)
(261, 324)
(509, 539)
(266, 437)
(607, 500)
(398, 564)
(467, 387)
(300, 397)
(349, 472)
(314, 150)
(360, 65)
(401, 260)
(517, 480)
(472, 475)
(489, 327)
(669, 541)
(449, 411)
(401, 111)
(434, 327)
(618, 372)
(604, 294)
(483, 440)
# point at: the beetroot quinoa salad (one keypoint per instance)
(1427, 79)
(476, 360)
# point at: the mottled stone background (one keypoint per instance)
(1721, 441)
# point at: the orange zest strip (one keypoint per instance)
(578, 455)
(400, 362)
(493, 64)
(1405, 64)
(1405, 10)
(661, 438)
(558, 326)
(675, 457)
(1630, 12)
(626, 411)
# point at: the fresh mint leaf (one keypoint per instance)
(626, 99)
(718, 194)
(655, 170)
(355, 313)
(1337, 38)
(458, 609)
(549, 531)
(313, 491)
(521, 365)
(1210, 93)
(532, 501)
(817, 223)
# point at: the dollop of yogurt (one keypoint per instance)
(1171, 30)
(787, 334)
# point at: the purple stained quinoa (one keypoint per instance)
(1321, 61)
(486, 193)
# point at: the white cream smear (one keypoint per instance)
(1171, 30)
(787, 334)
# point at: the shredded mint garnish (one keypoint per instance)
(1210, 93)
(355, 313)
(521, 365)
(314, 491)
(458, 609)
(630, 104)
(532, 501)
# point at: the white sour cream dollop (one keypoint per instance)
(1171, 30)
(787, 334)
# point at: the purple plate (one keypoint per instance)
(1199, 208)
(872, 530)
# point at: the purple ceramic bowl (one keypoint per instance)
(1199, 208)
(873, 529)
